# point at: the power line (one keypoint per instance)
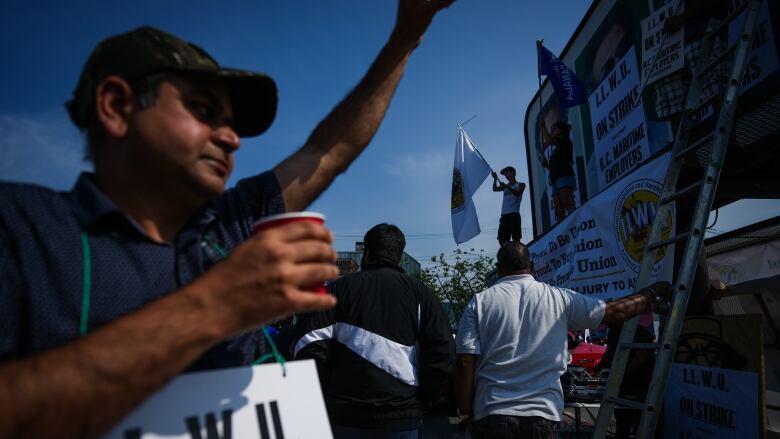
(426, 236)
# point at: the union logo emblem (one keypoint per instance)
(729, 274)
(457, 198)
(634, 214)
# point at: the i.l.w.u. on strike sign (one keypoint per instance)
(249, 402)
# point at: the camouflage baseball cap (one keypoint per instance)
(145, 51)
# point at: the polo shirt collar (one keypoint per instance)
(514, 277)
(382, 264)
(88, 202)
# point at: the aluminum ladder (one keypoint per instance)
(718, 139)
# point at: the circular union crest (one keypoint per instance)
(456, 201)
(729, 274)
(634, 214)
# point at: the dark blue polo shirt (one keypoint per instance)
(42, 261)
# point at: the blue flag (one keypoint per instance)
(566, 84)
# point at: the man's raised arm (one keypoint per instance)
(347, 130)
(620, 310)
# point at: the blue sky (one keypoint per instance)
(478, 57)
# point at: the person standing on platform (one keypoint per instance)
(561, 167)
(510, 226)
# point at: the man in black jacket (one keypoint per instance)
(384, 352)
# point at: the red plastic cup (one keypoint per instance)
(272, 221)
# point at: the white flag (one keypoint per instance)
(468, 173)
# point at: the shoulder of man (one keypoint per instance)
(556, 289)
(13, 190)
(545, 288)
(23, 197)
(349, 281)
(501, 284)
(575, 297)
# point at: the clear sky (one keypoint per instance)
(478, 57)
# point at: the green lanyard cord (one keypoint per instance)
(86, 298)
(274, 350)
(273, 354)
(220, 250)
(86, 292)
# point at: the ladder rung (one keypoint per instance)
(694, 145)
(702, 102)
(679, 194)
(626, 403)
(675, 238)
(728, 19)
(640, 346)
(700, 73)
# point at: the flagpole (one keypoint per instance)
(475, 146)
(539, 77)
(469, 120)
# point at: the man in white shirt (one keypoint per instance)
(510, 225)
(511, 348)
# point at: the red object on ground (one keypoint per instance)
(587, 355)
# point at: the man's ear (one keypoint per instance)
(113, 105)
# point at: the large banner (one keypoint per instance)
(748, 263)
(636, 76)
(598, 249)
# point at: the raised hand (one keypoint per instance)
(414, 16)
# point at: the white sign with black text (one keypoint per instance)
(762, 60)
(619, 127)
(710, 402)
(662, 53)
(248, 402)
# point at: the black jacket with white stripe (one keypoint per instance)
(383, 353)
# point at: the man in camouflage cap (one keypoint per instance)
(148, 266)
